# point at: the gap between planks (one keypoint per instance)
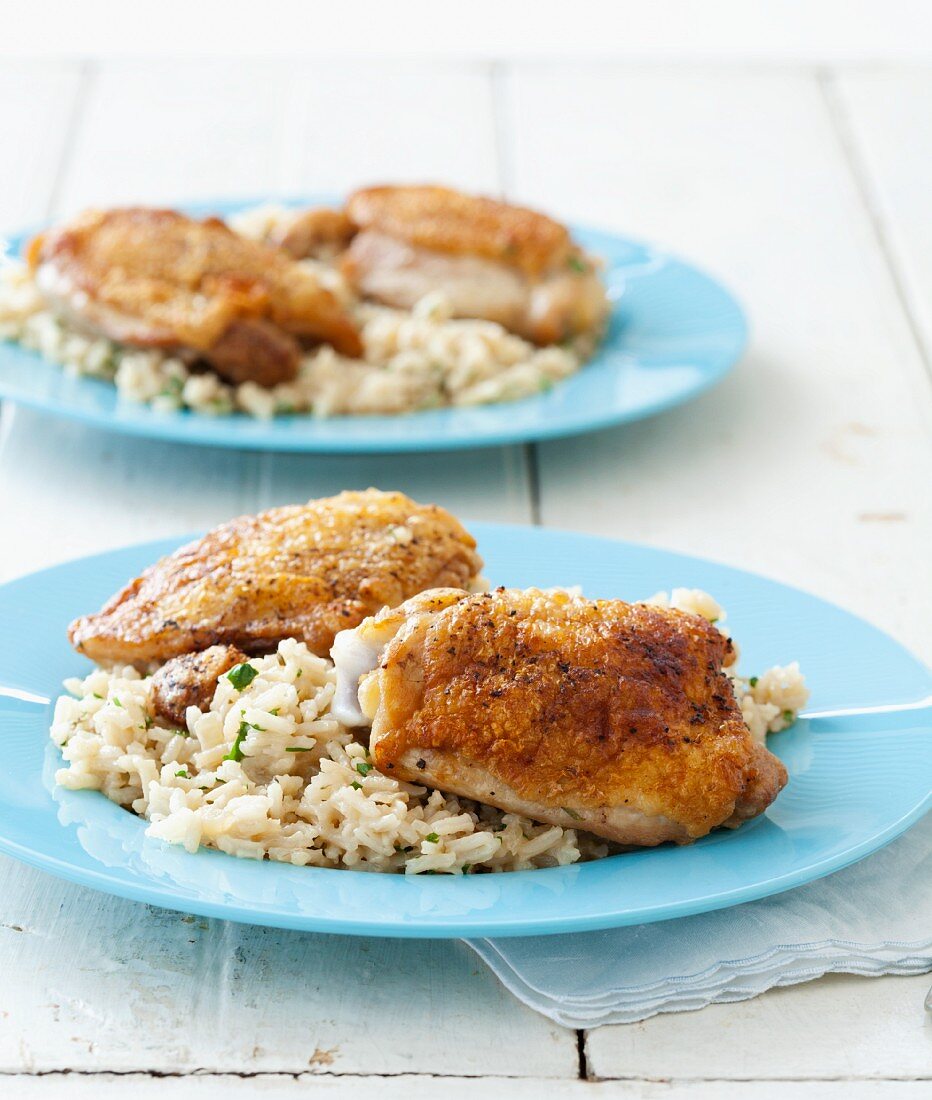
(86, 71)
(415, 1075)
(827, 80)
(503, 139)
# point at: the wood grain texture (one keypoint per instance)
(838, 1027)
(106, 984)
(885, 116)
(216, 1087)
(37, 103)
(245, 129)
(811, 463)
(78, 491)
(807, 464)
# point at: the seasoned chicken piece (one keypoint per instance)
(302, 571)
(190, 681)
(319, 233)
(610, 717)
(492, 260)
(155, 278)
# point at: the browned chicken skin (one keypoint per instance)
(320, 233)
(611, 717)
(155, 278)
(444, 220)
(491, 259)
(302, 571)
(190, 681)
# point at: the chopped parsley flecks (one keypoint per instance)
(752, 682)
(300, 748)
(236, 752)
(356, 786)
(241, 676)
(789, 716)
(116, 702)
(466, 867)
(96, 696)
(183, 774)
(432, 838)
(363, 768)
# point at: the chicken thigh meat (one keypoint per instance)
(158, 279)
(614, 718)
(302, 571)
(490, 259)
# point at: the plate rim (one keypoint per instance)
(172, 427)
(154, 892)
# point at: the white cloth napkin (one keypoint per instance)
(872, 918)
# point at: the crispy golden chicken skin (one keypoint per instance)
(155, 278)
(444, 220)
(302, 571)
(491, 260)
(611, 717)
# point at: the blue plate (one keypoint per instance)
(855, 783)
(674, 332)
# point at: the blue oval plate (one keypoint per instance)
(855, 783)
(674, 332)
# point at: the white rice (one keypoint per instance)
(414, 360)
(303, 792)
(267, 773)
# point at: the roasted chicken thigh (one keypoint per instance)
(490, 259)
(302, 571)
(611, 717)
(155, 278)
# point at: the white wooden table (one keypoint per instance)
(806, 189)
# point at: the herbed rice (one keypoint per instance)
(418, 359)
(265, 772)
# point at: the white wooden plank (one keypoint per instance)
(837, 1027)
(185, 495)
(79, 492)
(36, 101)
(811, 462)
(348, 125)
(95, 983)
(145, 134)
(162, 131)
(215, 1087)
(170, 131)
(388, 121)
(886, 115)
